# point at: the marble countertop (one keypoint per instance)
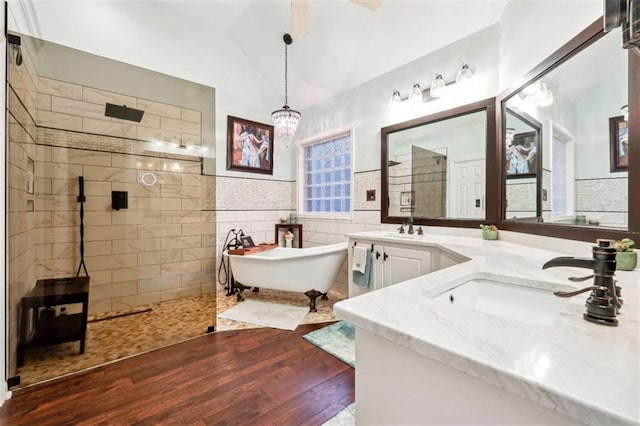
(586, 371)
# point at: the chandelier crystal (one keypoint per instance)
(286, 120)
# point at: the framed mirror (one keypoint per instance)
(572, 111)
(434, 168)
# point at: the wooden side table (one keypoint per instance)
(37, 330)
(296, 228)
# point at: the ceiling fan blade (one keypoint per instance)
(369, 4)
(299, 17)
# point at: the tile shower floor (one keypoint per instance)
(167, 323)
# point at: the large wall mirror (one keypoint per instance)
(565, 139)
(434, 168)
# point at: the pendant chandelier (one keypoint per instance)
(285, 120)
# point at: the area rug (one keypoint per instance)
(346, 417)
(285, 317)
(337, 339)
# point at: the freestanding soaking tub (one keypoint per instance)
(311, 271)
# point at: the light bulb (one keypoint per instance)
(544, 97)
(625, 112)
(416, 93)
(547, 99)
(464, 76)
(395, 98)
(437, 87)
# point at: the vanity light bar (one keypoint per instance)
(437, 87)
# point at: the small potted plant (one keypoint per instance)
(489, 232)
(626, 258)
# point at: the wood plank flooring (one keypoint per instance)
(259, 376)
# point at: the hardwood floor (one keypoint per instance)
(259, 376)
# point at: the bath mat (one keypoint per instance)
(337, 339)
(285, 317)
(346, 417)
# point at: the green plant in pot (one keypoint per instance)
(489, 232)
(626, 258)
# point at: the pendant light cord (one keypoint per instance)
(286, 83)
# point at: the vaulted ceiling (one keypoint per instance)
(345, 45)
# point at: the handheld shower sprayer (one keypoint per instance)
(231, 241)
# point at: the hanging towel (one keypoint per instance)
(359, 261)
(363, 279)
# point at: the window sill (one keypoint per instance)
(325, 216)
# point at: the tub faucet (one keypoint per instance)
(604, 302)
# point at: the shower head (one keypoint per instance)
(123, 112)
(15, 41)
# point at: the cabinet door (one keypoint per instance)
(401, 264)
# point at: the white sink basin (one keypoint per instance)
(537, 306)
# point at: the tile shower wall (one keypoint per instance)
(68, 106)
(429, 179)
(161, 247)
(399, 182)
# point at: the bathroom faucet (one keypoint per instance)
(410, 223)
(604, 302)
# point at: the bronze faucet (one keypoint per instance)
(604, 302)
(410, 223)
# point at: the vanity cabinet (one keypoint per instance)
(400, 264)
(393, 263)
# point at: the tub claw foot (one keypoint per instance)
(239, 296)
(324, 296)
(256, 289)
(312, 295)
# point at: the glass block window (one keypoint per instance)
(327, 175)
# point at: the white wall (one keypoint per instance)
(367, 106)
(530, 31)
(592, 125)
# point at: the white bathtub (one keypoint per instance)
(311, 271)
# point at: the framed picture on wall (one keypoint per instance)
(522, 155)
(619, 144)
(249, 146)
